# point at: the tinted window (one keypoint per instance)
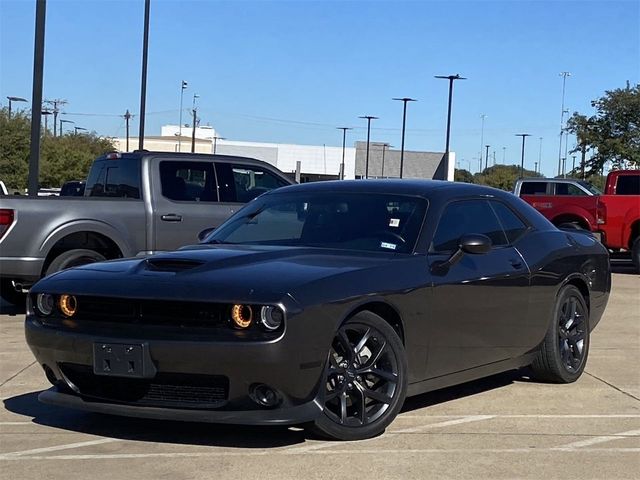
(188, 181)
(511, 224)
(568, 189)
(114, 178)
(349, 221)
(533, 188)
(628, 185)
(469, 216)
(243, 183)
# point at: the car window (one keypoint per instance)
(628, 185)
(465, 217)
(243, 183)
(114, 178)
(569, 189)
(188, 181)
(511, 224)
(533, 188)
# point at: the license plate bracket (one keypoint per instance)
(122, 360)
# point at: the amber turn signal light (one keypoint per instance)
(242, 315)
(68, 305)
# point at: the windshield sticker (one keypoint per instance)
(390, 246)
(394, 222)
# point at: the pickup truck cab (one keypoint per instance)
(134, 204)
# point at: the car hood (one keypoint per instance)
(212, 273)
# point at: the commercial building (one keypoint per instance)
(306, 162)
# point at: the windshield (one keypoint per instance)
(592, 188)
(350, 221)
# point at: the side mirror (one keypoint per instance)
(475, 244)
(205, 233)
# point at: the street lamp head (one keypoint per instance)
(405, 99)
(345, 128)
(368, 117)
(450, 77)
(46, 112)
(523, 135)
(184, 84)
(16, 99)
(66, 121)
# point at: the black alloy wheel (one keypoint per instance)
(365, 379)
(563, 354)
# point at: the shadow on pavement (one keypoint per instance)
(623, 266)
(205, 434)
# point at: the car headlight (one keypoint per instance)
(242, 316)
(68, 305)
(44, 304)
(271, 318)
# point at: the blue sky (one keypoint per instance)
(293, 71)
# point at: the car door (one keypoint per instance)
(185, 201)
(480, 300)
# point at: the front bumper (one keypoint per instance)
(292, 366)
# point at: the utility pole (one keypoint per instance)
(143, 80)
(344, 143)
(404, 100)
(36, 98)
(215, 142)
(583, 160)
(127, 117)
(183, 87)
(55, 104)
(564, 76)
(451, 79)
(486, 160)
(524, 136)
(369, 118)
(573, 168)
(193, 132)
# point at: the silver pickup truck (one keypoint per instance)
(134, 204)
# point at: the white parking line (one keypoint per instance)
(59, 447)
(600, 439)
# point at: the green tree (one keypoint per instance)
(462, 175)
(612, 133)
(502, 176)
(62, 158)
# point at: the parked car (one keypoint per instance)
(327, 302)
(133, 204)
(613, 216)
(73, 188)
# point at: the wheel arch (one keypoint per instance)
(581, 284)
(634, 232)
(572, 218)
(385, 311)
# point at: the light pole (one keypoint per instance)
(127, 117)
(62, 120)
(36, 97)
(524, 136)
(368, 118)
(486, 160)
(404, 100)
(482, 117)
(143, 76)
(540, 155)
(384, 147)
(193, 127)
(573, 168)
(14, 99)
(215, 142)
(344, 143)
(504, 155)
(451, 79)
(564, 76)
(77, 129)
(46, 113)
(183, 86)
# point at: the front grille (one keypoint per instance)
(152, 312)
(164, 390)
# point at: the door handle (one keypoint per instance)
(171, 217)
(515, 263)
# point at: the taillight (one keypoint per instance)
(601, 213)
(6, 219)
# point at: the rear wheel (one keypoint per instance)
(365, 379)
(73, 258)
(635, 254)
(563, 353)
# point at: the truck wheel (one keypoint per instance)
(635, 254)
(73, 258)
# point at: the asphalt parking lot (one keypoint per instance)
(501, 427)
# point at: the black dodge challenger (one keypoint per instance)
(324, 304)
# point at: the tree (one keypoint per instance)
(502, 176)
(62, 158)
(462, 175)
(612, 133)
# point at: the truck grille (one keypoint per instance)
(164, 390)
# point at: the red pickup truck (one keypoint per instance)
(614, 216)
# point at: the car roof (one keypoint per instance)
(558, 180)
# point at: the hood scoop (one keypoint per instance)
(171, 264)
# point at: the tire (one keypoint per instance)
(570, 226)
(565, 348)
(365, 379)
(635, 254)
(11, 295)
(73, 258)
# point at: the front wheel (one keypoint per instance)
(365, 379)
(73, 258)
(563, 353)
(635, 254)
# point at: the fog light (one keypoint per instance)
(68, 305)
(44, 303)
(242, 315)
(264, 395)
(271, 317)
